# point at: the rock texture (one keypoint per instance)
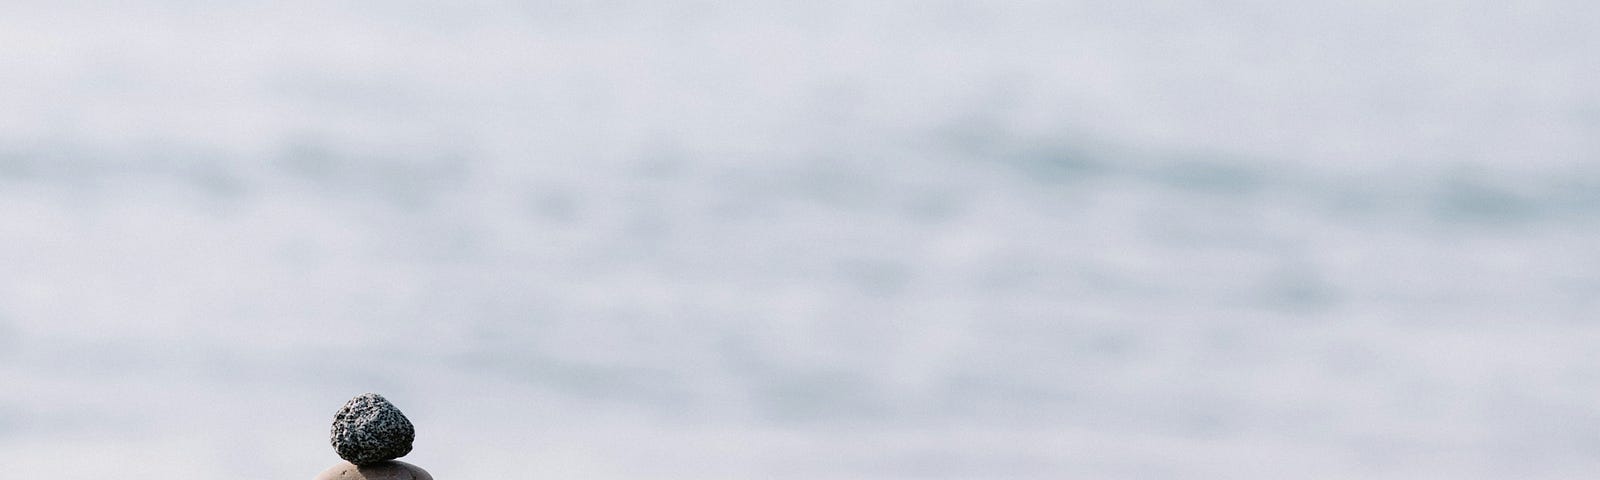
(387, 470)
(369, 429)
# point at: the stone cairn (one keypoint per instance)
(369, 433)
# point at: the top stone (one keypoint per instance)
(369, 429)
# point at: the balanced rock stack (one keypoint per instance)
(370, 433)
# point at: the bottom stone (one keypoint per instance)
(385, 470)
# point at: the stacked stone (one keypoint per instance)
(369, 433)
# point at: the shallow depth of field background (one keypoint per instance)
(804, 240)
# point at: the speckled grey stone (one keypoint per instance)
(369, 429)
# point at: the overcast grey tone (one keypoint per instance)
(812, 240)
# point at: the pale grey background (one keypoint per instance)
(810, 240)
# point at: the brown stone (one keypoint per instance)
(385, 470)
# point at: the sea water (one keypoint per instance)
(807, 240)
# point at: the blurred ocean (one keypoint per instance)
(804, 240)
